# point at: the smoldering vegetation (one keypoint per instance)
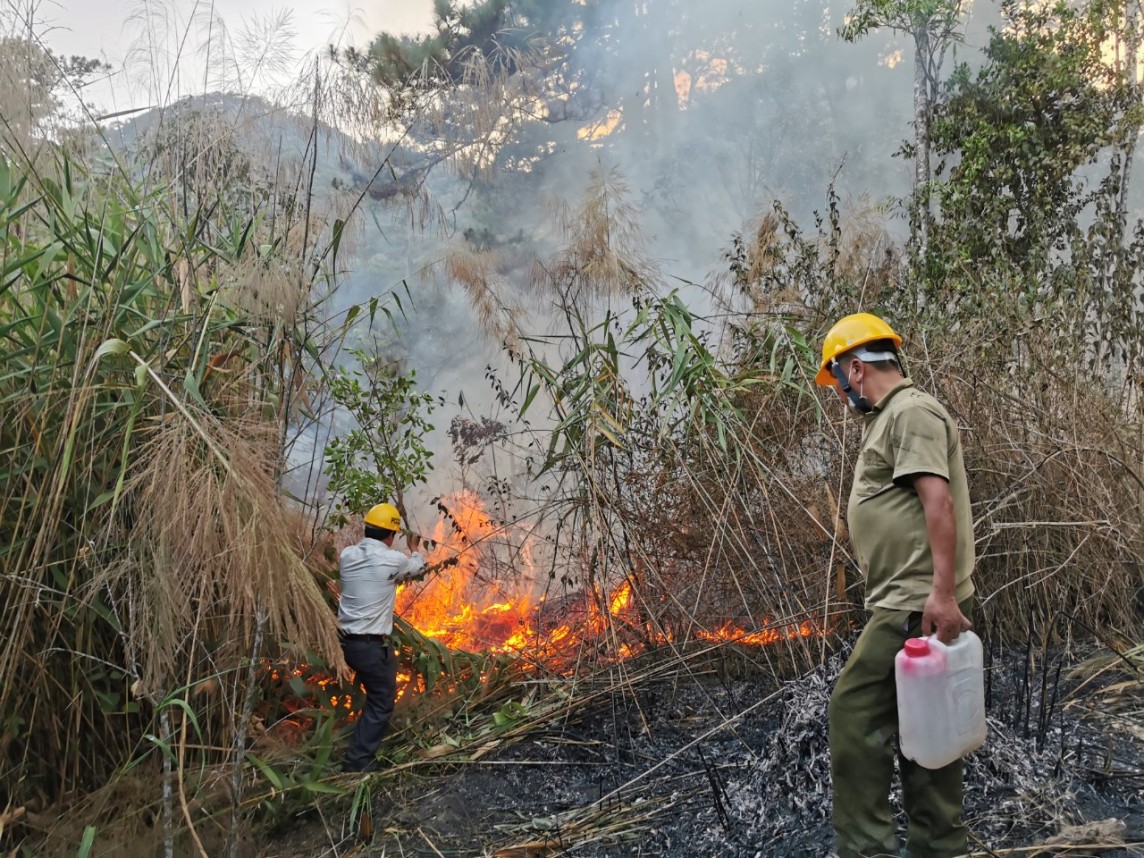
(719, 766)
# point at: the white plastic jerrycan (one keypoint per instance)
(941, 699)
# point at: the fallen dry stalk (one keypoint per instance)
(1057, 849)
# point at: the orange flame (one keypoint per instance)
(459, 605)
(620, 599)
(281, 672)
(730, 633)
(465, 606)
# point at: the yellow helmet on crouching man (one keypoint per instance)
(385, 516)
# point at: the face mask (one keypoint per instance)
(858, 402)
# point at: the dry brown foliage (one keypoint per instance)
(603, 254)
(1054, 468)
(755, 535)
(210, 549)
(483, 276)
(1053, 452)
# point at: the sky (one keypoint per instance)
(114, 31)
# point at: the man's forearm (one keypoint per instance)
(941, 531)
(414, 567)
(943, 539)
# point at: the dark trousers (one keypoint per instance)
(376, 669)
(863, 726)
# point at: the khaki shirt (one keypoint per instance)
(907, 434)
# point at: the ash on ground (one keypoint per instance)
(732, 767)
(1032, 779)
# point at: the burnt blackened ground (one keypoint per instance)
(706, 767)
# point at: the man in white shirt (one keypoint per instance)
(370, 573)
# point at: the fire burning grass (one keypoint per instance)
(620, 760)
(465, 608)
(448, 610)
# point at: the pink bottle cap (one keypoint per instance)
(916, 647)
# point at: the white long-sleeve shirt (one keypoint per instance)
(370, 573)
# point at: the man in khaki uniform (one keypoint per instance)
(912, 534)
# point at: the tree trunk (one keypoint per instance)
(1132, 50)
(1109, 297)
(921, 135)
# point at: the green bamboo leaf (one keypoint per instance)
(362, 800)
(339, 228)
(148, 327)
(267, 771)
(244, 237)
(113, 346)
(86, 842)
(168, 752)
(128, 433)
(542, 369)
(50, 254)
(101, 499)
(531, 395)
(17, 265)
(191, 386)
(324, 788)
(180, 703)
(18, 212)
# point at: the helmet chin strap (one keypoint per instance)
(860, 403)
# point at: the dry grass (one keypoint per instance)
(482, 274)
(208, 548)
(156, 350)
(735, 518)
(603, 255)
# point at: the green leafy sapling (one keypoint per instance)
(385, 453)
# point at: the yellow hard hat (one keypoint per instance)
(848, 333)
(385, 516)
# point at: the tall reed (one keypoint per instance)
(152, 363)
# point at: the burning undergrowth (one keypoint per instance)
(486, 594)
(580, 724)
(483, 620)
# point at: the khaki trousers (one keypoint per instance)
(863, 727)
